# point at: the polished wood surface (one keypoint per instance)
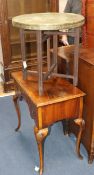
(60, 100)
(86, 79)
(85, 83)
(90, 23)
(62, 90)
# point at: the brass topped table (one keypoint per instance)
(46, 25)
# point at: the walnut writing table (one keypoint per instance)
(61, 100)
(46, 25)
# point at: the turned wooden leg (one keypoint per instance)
(40, 137)
(81, 124)
(16, 103)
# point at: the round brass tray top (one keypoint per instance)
(48, 21)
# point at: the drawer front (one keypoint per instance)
(59, 111)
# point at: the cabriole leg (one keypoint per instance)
(16, 103)
(81, 124)
(40, 138)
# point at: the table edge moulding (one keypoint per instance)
(48, 21)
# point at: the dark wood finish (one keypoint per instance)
(85, 83)
(86, 79)
(54, 5)
(10, 35)
(52, 68)
(90, 23)
(58, 94)
(75, 54)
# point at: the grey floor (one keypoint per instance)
(18, 150)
